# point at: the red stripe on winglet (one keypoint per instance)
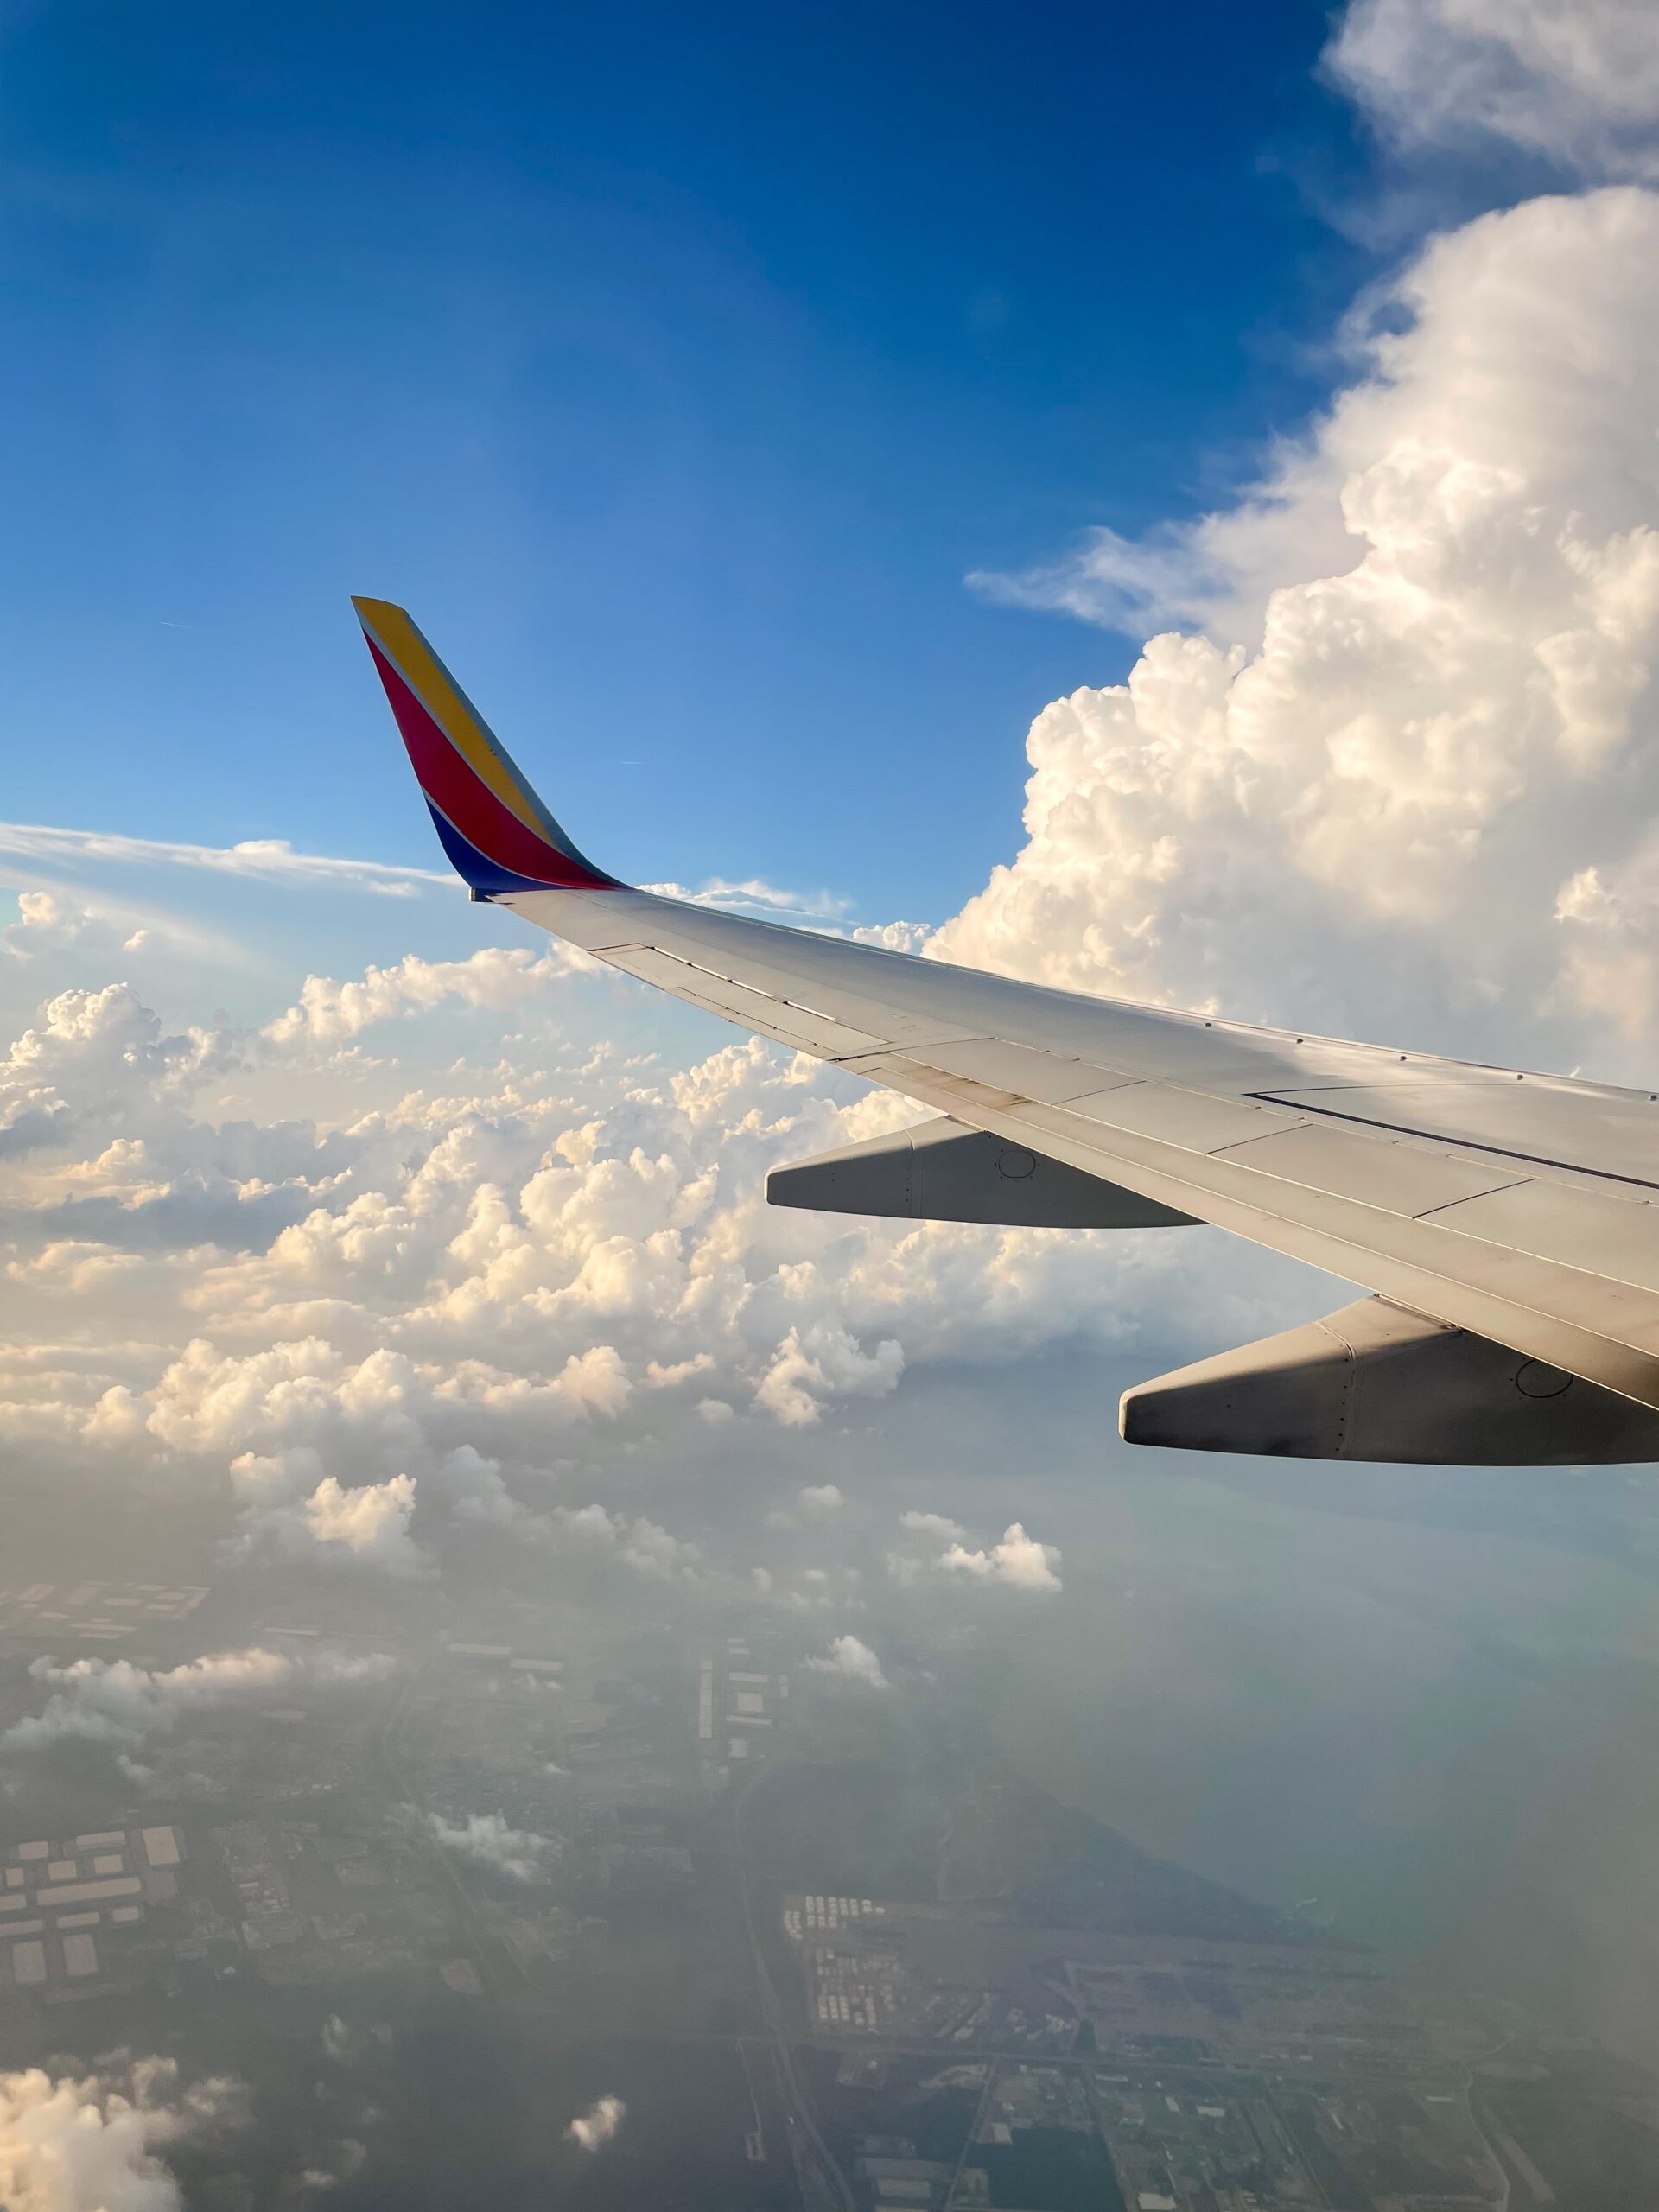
(451, 784)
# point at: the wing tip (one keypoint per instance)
(499, 835)
(368, 611)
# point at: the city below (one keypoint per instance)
(794, 1943)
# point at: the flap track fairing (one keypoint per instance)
(940, 1170)
(1376, 1381)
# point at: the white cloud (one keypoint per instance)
(753, 895)
(1421, 704)
(366, 1527)
(433, 1299)
(472, 1488)
(1119, 582)
(489, 1840)
(92, 2143)
(1018, 1560)
(50, 920)
(1575, 81)
(851, 1661)
(594, 2128)
(114, 1702)
(47, 921)
(824, 1361)
(269, 858)
(636, 1542)
(108, 1049)
(893, 936)
(933, 1524)
(327, 1011)
(814, 1501)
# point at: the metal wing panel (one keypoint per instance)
(1615, 1237)
(1394, 1174)
(1194, 1120)
(1605, 1331)
(849, 983)
(1543, 1120)
(1215, 1120)
(921, 1001)
(744, 1002)
(1018, 1069)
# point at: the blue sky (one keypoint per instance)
(674, 366)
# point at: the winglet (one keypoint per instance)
(496, 831)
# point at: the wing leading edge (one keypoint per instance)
(1491, 1206)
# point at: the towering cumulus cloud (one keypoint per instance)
(1393, 771)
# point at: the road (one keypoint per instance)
(822, 2184)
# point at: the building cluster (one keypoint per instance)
(93, 1612)
(739, 1704)
(65, 1906)
(1172, 2075)
(318, 1905)
(871, 1969)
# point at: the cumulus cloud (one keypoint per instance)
(1417, 705)
(465, 1282)
(1574, 81)
(488, 1839)
(1018, 1560)
(817, 1502)
(851, 1661)
(893, 936)
(473, 1489)
(292, 1510)
(933, 1524)
(753, 895)
(95, 1059)
(114, 1702)
(933, 1545)
(825, 1361)
(635, 1541)
(92, 2143)
(329, 1012)
(367, 1527)
(47, 921)
(593, 2129)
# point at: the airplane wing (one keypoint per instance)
(1503, 1219)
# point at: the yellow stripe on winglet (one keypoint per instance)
(437, 691)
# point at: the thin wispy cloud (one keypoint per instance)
(755, 896)
(272, 859)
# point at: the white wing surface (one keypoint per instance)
(1480, 1202)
